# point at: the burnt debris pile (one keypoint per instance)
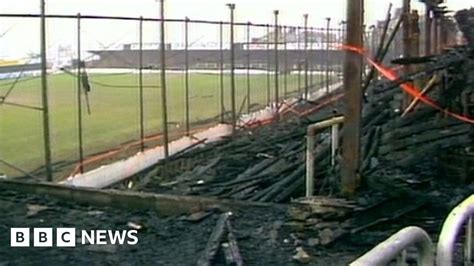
(400, 131)
(465, 20)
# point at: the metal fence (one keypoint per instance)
(81, 99)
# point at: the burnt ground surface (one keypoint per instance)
(266, 236)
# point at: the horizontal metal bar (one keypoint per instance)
(19, 15)
(451, 230)
(324, 124)
(22, 106)
(388, 250)
(200, 21)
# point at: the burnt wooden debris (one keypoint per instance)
(267, 164)
(402, 152)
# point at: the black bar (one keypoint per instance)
(249, 102)
(186, 72)
(327, 53)
(140, 81)
(79, 98)
(232, 67)
(163, 80)
(306, 85)
(277, 97)
(23, 15)
(221, 57)
(44, 96)
(285, 48)
(268, 64)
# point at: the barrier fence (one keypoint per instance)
(101, 94)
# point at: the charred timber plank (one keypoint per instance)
(286, 193)
(283, 184)
(129, 200)
(411, 158)
(233, 247)
(262, 165)
(208, 255)
(425, 137)
(410, 130)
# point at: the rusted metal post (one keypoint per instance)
(352, 99)
(306, 85)
(79, 97)
(44, 96)
(140, 85)
(221, 68)
(277, 68)
(232, 67)
(186, 72)
(164, 109)
(328, 20)
(248, 68)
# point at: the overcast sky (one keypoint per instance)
(22, 36)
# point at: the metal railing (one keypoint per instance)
(452, 227)
(395, 245)
(310, 147)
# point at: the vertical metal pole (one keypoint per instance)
(311, 62)
(232, 66)
(285, 48)
(248, 68)
(327, 53)
(428, 26)
(306, 85)
(298, 39)
(44, 96)
(268, 63)
(186, 72)
(277, 68)
(352, 99)
(79, 96)
(164, 109)
(334, 142)
(140, 84)
(309, 165)
(221, 66)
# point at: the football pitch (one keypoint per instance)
(114, 116)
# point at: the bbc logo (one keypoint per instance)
(42, 237)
